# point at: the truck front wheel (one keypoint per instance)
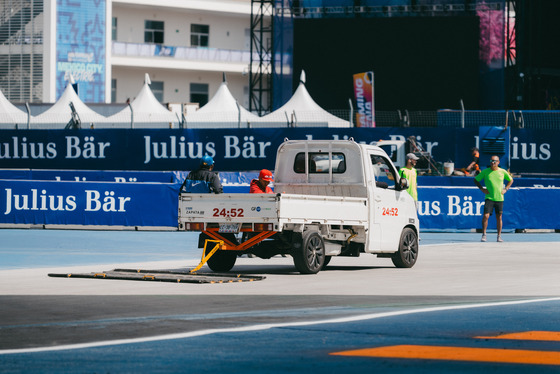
(309, 257)
(408, 249)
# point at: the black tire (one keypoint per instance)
(408, 249)
(221, 261)
(327, 260)
(309, 257)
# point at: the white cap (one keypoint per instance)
(411, 156)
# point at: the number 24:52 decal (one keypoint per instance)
(390, 211)
(233, 212)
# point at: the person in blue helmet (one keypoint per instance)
(203, 179)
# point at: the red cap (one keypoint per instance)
(266, 175)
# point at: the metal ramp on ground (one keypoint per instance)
(172, 276)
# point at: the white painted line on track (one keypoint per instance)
(268, 326)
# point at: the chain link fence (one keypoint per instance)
(530, 119)
(542, 120)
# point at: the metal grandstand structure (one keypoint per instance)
(21, 49)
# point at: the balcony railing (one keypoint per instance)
(183, 53)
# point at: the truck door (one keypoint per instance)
(388, 205)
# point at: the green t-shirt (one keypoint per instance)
(494, 182)
(410, 175)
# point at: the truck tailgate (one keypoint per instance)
(235, 208)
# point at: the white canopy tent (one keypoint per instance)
(222, 111)
(301, 111)
(10, 116)
(147, 112)
(58, 115)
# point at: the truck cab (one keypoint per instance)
(349, 169)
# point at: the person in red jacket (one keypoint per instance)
(261, 185)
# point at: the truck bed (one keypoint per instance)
(278, 209)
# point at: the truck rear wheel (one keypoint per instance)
(408, 249)
(309, 257)
(221, 261)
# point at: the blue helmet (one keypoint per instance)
(206, 161)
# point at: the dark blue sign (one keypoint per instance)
(531, 151)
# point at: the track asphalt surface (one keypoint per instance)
(466, 307)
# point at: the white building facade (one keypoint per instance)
(108, 46)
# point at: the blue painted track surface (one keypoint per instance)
(233, 329)
(301, 349)
(22, 248)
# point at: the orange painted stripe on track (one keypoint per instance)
(552, 336)
(423, 352)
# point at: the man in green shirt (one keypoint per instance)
(409, 172)
(494, 190)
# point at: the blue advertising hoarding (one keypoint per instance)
(88, 203)
(461, 208)
(80, 47)
(530, 151)
(156, 205)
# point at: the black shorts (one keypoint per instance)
(490, 205)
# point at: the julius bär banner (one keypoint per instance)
(530, 151)
(156, 204)
(363, 91)
(88, 203)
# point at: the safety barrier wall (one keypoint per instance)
(88, 203)
(461, 208)
(155, 205)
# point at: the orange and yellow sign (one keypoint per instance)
(363, 90)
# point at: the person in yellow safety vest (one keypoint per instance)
(409, 173)
(494, 192)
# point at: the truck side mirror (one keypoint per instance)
(404, 184)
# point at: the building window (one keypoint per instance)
(157, 90)
(153, 32)
(113, 90)
(200, 35)
(199, 93)
(114, 28)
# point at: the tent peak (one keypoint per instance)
(302, 77)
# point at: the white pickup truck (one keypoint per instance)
(332, 198)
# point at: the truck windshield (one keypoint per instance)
(382, 171)
(319, 163)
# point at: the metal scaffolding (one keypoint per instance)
(262, 61)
